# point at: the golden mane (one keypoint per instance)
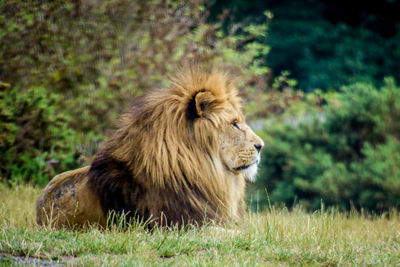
(159, 141)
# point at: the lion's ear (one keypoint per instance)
(201, 103)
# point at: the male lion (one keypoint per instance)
(180, 155)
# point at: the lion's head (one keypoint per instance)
(181, 153)
(240, 149)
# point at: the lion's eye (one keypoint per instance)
(235, 125)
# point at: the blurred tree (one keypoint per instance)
(326, 44)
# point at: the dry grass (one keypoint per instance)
(273, 238)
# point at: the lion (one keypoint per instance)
(180, 155)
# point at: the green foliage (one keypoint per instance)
(346, 156)
(326, 44)
(91, 59)
(323, 55)
(35, 142)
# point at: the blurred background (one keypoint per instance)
(318, 77)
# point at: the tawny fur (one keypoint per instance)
(180, 155)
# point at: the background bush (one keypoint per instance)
(35, 142)
(346, 155)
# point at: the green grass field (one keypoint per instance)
(273, 238)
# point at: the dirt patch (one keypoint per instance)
(6, 259)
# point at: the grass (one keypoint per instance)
(277, 237)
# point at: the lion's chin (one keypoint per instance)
(250, 172)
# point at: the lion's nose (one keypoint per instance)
(258, 147)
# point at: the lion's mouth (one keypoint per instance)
(242, 167)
